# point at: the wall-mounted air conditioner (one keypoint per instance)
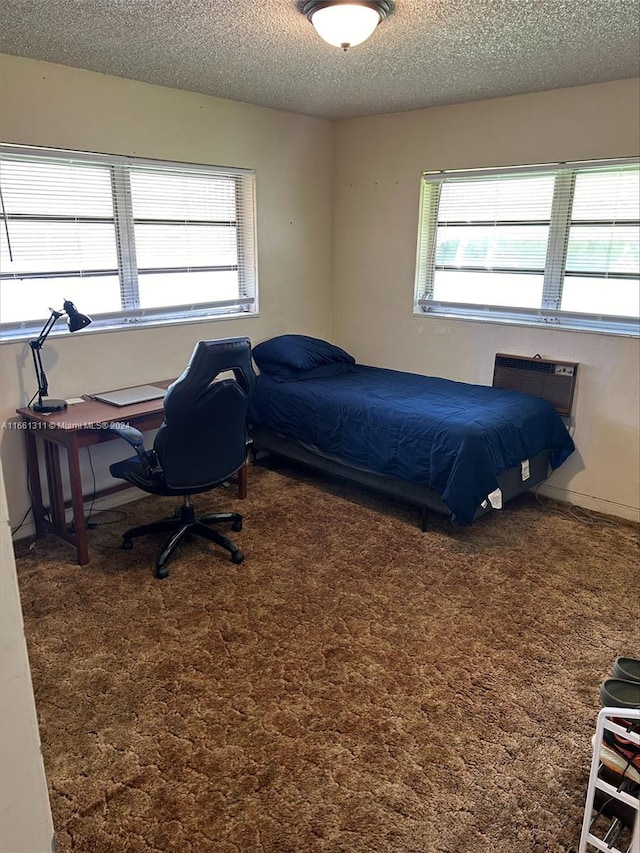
(554, 381)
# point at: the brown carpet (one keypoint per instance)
(355, 685)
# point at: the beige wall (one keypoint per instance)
(60, 107)
(377, 180)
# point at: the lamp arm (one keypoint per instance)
(44, 333)
(41, 376)
(36, 346)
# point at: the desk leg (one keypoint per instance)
(77, 502)
(35, 484)
(54, 482)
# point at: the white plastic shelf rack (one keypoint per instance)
(588, 839)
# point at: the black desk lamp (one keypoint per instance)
(75, 322)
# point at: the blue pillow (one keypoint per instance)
(287, 374)
(288, 356)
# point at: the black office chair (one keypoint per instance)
(202, 442)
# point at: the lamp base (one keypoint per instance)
(50, 405)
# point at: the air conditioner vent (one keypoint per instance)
(554, 381)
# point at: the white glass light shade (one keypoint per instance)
(345, 24)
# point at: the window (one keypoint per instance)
(552, 245)
(127, 240)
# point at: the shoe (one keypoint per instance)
(627, 669)
(620, 755)
(610, 806)
(619, 693)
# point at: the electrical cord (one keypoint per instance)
(30, 509)
(93, 494)
(575, 512)
(22, 521)
(121, 514)
(90, 524)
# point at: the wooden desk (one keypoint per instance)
(80, 425)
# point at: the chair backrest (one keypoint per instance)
(203, 439)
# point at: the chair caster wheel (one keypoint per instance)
(162, 572)
(127, 545)
(237, 557)
(237, 525)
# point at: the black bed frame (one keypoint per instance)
(425, 498)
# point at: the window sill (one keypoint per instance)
(110, 326)
(572, 323)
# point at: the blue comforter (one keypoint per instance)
(451, 436)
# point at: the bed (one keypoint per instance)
(446, 446)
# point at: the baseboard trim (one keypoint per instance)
(619, 510)
(114, 501)
(628, 513)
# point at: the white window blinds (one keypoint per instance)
(556, 245)
(126, 240)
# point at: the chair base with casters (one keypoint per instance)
(183, 525)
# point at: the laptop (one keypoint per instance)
(129, 396)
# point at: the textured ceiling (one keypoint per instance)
(426, 53)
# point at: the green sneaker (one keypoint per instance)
(619, 693)
(626, 668)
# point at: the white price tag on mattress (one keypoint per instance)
(495, 499)
(526, 473)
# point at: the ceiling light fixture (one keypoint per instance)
(345, 23)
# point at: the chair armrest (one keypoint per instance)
(135, 438)
(130, 434)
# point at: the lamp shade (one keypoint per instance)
(76, 320)
(345, 24)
